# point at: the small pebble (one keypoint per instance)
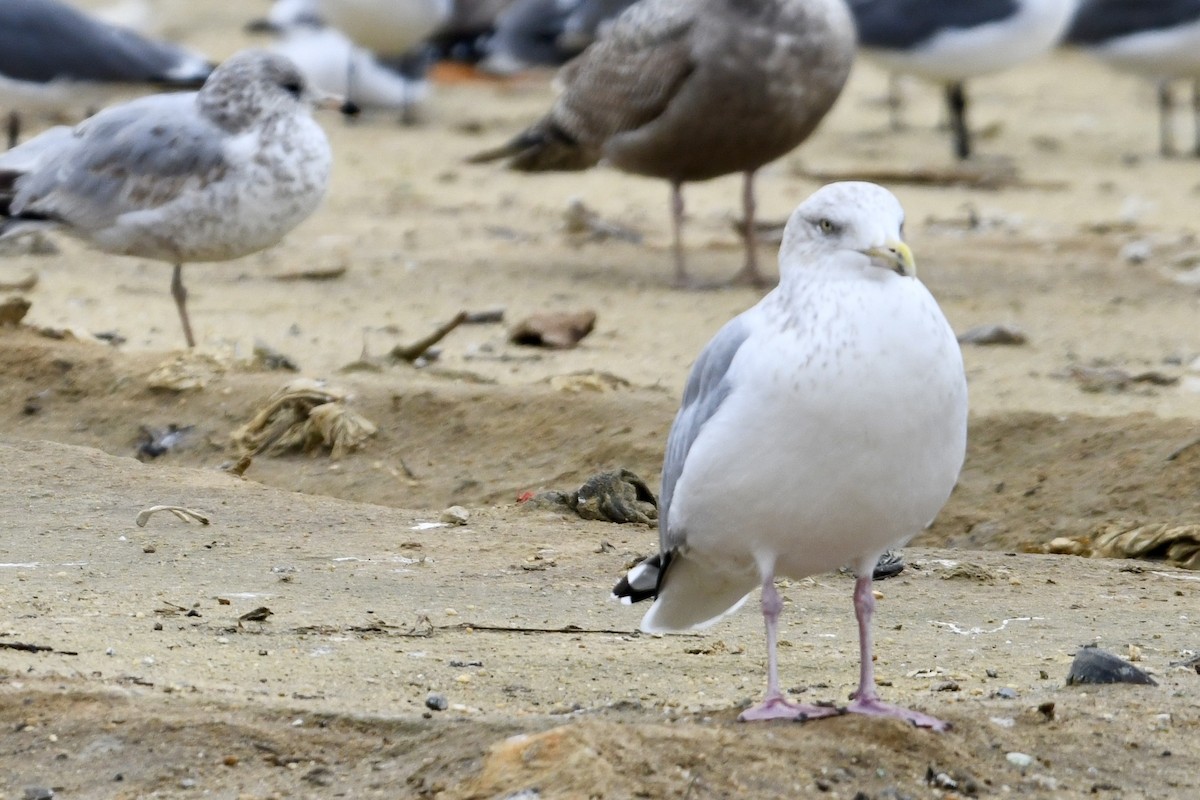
(437, 702)
(455, 515)
(149, 548)
(1020, 760)
(38, 793)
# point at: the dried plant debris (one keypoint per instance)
(1093, 665)
(582, 224)
(1114, 379)
(306, 415)
(999, 334)
(185, 514)
(259, 614)
(588, 381)
(619, 496)
(13, 310)
(268, 358)
(155, 442)
(187, 371)
(556, 330)
(1176, 544)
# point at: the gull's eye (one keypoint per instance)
(294, 88)
(827, 226)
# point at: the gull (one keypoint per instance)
(55, 58)
(950, 41)
(388, 28)
(333, 64)
(191, 176)
(691, 91)
(546, 32)
(1158, 40)
(821, 427)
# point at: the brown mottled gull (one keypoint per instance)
(691, 91)
(194, 176)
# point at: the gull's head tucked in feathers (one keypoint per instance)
(845, 228)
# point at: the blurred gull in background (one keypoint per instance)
(949, 41)
(333, 64)
(533, 33)
(692, 91)
(55, 59)
(388, 28)
(1158, 39)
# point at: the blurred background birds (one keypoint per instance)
(1158, 39)
(57, 59)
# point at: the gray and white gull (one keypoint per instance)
(820, 428)
(192, 176)
(951, 41)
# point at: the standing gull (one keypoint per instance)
(193, 176)
(1158, 40)
(823, 426)
(55, 58)
(388, 28)
(950, 41)
(692, 91)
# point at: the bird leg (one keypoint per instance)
(179, 292)
(682, 281)
(866, 699)
(1196, 117)
(956, 102)
(749, 274)
(775, 705)
(14, 129)
(1166, 103)
(895, 101)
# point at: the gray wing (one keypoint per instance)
(41, 40)
(707, 387)
(905, 24)
(133, 157)
(1098, 21)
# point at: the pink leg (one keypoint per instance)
(179, 292)
(775, 705)
(866, 699)
(749, 275)
(682, 280)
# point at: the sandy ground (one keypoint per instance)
(151, 687)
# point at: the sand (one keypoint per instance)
(152, 688)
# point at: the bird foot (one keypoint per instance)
(779, 707)
(877, 708)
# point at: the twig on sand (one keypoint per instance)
(412, 352)
(35, 648)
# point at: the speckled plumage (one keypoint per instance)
(819, 428)
(198, 176)
(688, 91)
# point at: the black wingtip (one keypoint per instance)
(643, 581)
(544, 147)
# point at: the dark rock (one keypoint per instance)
(1093, 665)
